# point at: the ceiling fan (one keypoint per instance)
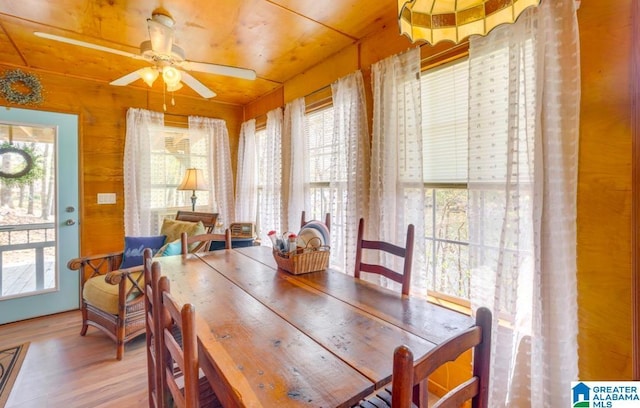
(167, 58)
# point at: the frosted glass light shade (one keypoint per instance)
(171, 76)
(148, 75)
(454, 20)
(173, 88)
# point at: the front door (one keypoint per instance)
(38, 213)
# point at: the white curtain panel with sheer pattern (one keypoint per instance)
(349, 176)
(523, 145)
(270, 170)
(247, 180)
(397, 189)
(220, 174)
(297, 165)
(142, 127)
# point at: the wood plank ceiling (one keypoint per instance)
(276, 38)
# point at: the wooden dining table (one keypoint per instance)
(268, 338)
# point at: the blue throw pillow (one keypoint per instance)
(173, 248)
(134, 246)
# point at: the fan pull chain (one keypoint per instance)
(164, 99)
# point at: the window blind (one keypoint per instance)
(445, 105)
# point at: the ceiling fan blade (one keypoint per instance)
(127, 79)
(197, 86)
(86, 45)
(225, 70)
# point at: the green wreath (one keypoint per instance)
(23, 172)
(13, 95)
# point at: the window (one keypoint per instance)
(171, 154)
(445, 103)
(319, 133)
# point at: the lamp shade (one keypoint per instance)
(193, 180)
(454, 20)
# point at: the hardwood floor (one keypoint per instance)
(64, 369)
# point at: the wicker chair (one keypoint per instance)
(117, 305)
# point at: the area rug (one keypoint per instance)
(11, 359)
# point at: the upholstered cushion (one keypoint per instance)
(173, 229)
(172, 248)
(134, 246)
(103, 295)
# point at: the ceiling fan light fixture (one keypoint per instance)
(173, 88)
(165, 57)
(171, 76)
(148, 75)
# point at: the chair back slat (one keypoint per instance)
(406, 252)
(204, 241)
(459, 395)
(448, 351)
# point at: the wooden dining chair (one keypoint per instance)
(327, 220)
(202, 242)
(405, 252)
(150, 281)
(410, 377)
(181, 382)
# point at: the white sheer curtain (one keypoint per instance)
(349, 178)
(523, 142)
(220, 174)
(270, 170)
(142, 127)
(247, 180)
(297, 167)
(397, 189)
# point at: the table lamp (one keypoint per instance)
(193, 180)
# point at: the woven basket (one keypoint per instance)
(303, 261)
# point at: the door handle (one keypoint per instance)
(70, 222)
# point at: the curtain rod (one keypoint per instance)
(463, 45)
(324, 88)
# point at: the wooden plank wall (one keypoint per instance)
(604, 191)
(102, 109)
